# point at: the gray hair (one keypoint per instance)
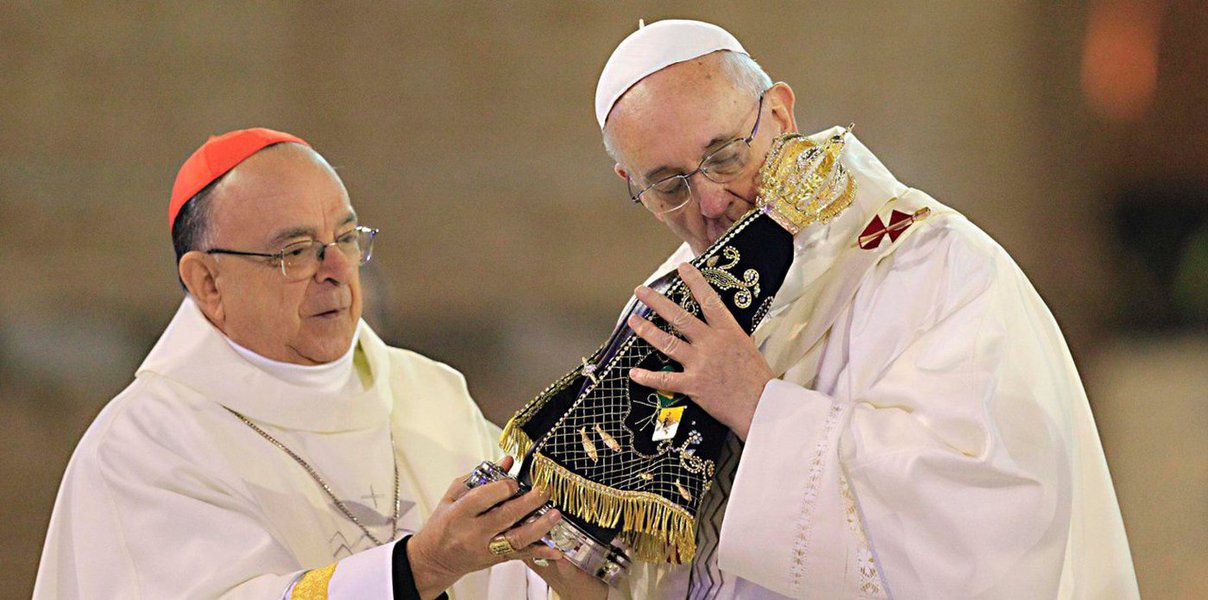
(193, 229)
(742, 70)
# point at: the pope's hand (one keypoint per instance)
(724, 373)
(569, 581)
(457, 538)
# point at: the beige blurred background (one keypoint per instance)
(1076, 135)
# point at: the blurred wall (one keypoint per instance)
(466, 133)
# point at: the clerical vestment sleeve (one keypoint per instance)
(947, 428)
(366, 574)
(777, 475)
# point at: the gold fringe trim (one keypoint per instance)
(656, 529)
(514, 440)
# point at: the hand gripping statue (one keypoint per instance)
(626, 464)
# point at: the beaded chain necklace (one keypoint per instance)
(326, 488)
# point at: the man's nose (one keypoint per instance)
(712, 197)
(333, 265)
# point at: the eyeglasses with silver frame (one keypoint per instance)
(722, 165)
(302, 259)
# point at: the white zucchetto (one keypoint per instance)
(652, 48)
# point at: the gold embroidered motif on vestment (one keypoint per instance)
(313, 585)
(724, 280)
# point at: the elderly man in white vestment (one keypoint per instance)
(907, 421)
(271, 445)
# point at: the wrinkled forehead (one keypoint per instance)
(283, 186)
(282, 166)
(698, 83)
(290, 153)
(684, 108)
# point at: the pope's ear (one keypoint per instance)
(620, 171)
(199, 272)
(780, 99)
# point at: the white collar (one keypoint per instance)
(334, 376)
(193, 353)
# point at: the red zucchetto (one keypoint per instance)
(217, 156)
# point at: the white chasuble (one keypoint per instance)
(928, 435)
(170, 495)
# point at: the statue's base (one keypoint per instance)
(606, 561)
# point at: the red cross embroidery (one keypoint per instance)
(899, 222)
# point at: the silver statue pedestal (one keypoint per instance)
(608, 562)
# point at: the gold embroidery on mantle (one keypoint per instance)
(724, 280)
(313, 585)
(588, 445)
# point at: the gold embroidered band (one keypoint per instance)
(313, 585)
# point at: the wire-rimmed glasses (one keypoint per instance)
(722, 165)
(301, 260)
